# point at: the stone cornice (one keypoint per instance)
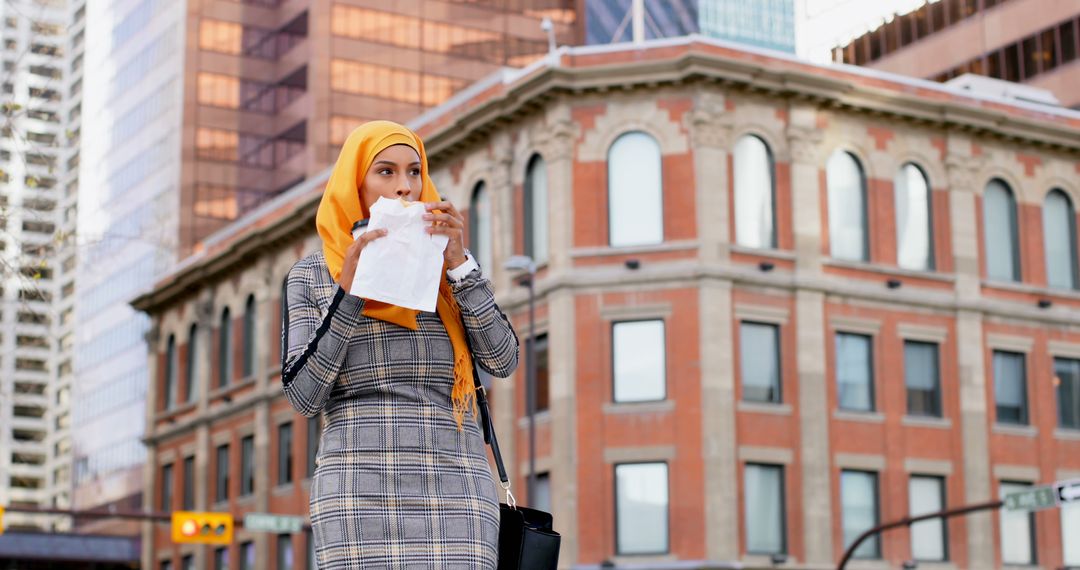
(974, 117)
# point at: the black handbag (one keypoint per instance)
(527, 540)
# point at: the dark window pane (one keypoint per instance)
(170, 373)
(1067, 380)
(907, 28)
(189, 483)
(854, 372)
(1031, 57)
(937, 16)
(285, 454)
(921, 379)
(192, 364)
(314, 430)
(221, 558)
(543, 374)
(922, 23)
(1067, 38)
(759, 353)
(221, 492)
(284, 552)
(249, 337)
(166, 488)
(994, 63)
(225, 349)
(955, 9)
(1010, 388)
(1000, 232)
(1048, 50)
(1012, 62)
(876, 44)
(247, 465)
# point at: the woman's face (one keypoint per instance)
(395, 173)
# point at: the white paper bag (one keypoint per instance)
(404, 267)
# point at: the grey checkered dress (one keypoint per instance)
(396, 484)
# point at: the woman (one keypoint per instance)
(402, 478)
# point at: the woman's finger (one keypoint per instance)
(372, 235)
(444, 230)
(446, 207)
(445, 219)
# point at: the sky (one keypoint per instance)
(824, 24)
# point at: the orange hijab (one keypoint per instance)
(341, 206)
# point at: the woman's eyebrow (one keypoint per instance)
(391, 163)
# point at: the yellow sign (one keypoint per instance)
(1, 520)
(202, 528)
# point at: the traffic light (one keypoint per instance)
(1, 520)
(202, 528)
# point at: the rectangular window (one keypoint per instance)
(543, 492)
(928, 538)
(166, 487)
(1067, 33)
(859, 507)
(284, 552)
(921, 379)
(1010, 388)
(1070, 529)
(247, 556)
(765, 522)
(543, 374)
(314, 430)
(189, 483)
(639, 361)
(247, 466)
(221, 469)
(166, 565)
(1017, 529)
(759, 354)
(854, 372)
(221, 558)
(187, 562)
(285, 456)
(1067, 381)
(641, 508)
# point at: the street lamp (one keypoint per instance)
(525, 263)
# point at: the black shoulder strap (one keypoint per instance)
(485, 417)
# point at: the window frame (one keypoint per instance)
(165, 501)
(614, 358)
(1060, 362)
(221, 473)
(313, 435)
(1033, 536)
(530, 212)
(931, 258)
(285, 460)
(777, 356)
(938, 411)
(225, 349)
(942, 499)
(872, 372)
(610, 202)
(1025, 412)
(482, 252)
(247, 465)
(615, 504)
(784, 539)
(865, 210)
(770, 160)
(170, 386)
(1014, 231)
(187, 499)
(1073, 261)
(250, 320)
(192, 375)
(876, 539)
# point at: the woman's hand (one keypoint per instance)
(447, 221)
(352, 256)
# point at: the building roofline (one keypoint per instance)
(682, 60)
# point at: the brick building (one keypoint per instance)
(1026, 41)
(822, 297)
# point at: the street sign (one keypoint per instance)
(1033, 499)
(273, 523)
(1067, 491)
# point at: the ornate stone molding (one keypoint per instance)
(805, 144)
(555, 141)
(709, 123)
(962, 171)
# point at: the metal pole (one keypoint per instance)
(907, 521)
(530, 388)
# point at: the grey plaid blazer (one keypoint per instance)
(396, 484)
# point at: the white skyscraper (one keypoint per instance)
(127, 227)
(38, 189)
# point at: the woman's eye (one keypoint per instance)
(385, 171)
(416, 172)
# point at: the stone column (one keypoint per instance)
(556, 145)
(153, 340)
(562, 382)
(978, 486)
(501, 192)
(710, 129)
(804, 141)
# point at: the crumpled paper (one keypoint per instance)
(403, 268)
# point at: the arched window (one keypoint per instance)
(480, 227)
(847, 207)
(169, 388)
(225, 360)
(755, 213)
(249, 337)
(192, 364)
(536, 210)
(914, 230)
(1000, 235)
(1059, 241)
(635, 191)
